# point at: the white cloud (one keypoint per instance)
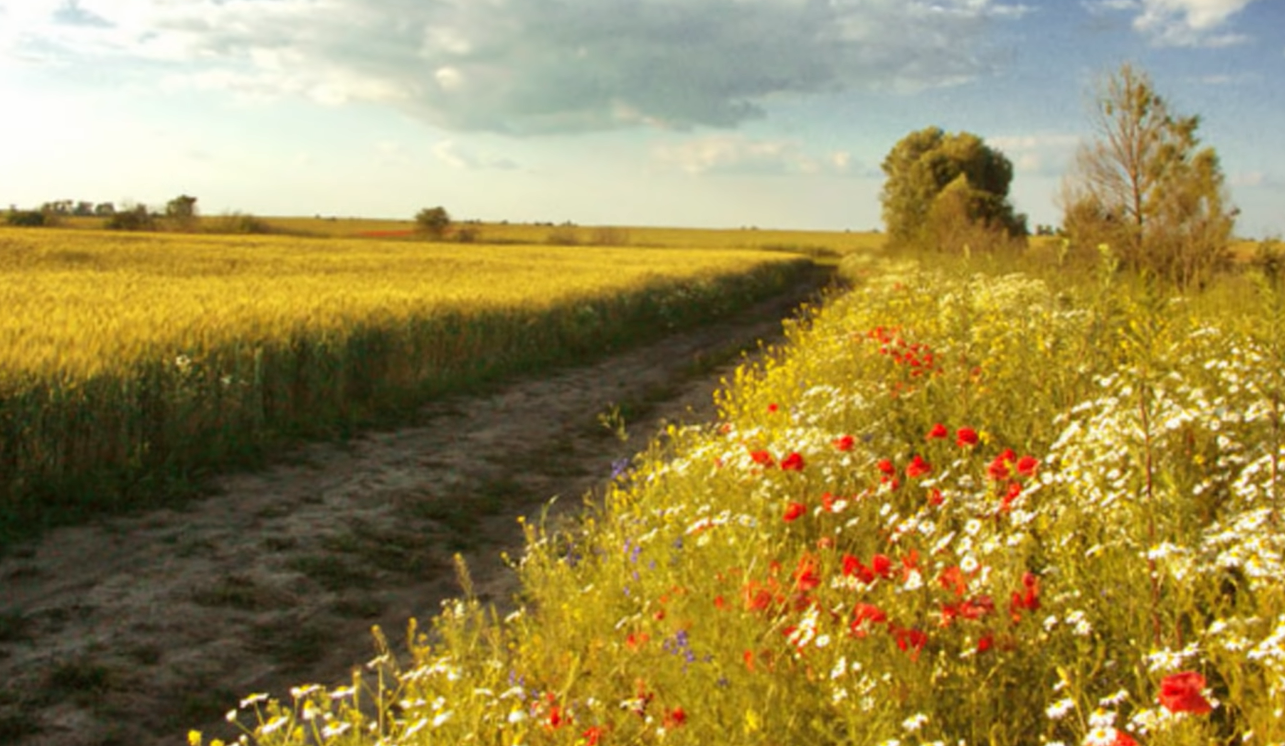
(457, 156)
(1182, 23)
(738, 154)
(1043, 154)
(527, 67)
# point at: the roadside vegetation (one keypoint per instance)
(960, 506)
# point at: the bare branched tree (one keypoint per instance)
(1146, 188)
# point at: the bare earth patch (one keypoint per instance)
(135, 629)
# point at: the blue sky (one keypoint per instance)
(720, 113)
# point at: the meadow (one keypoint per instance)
(136, 363)
(963, 505)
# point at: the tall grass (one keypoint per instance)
(959, 508)
(132, 363)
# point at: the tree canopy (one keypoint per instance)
(433, 222)
(948, 191)
(1146, 188)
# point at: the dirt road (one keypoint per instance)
(135, 629)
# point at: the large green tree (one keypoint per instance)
(948, 191)
(1145, 187)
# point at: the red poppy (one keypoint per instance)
(1027, 599)
(556, 720)
(966, 437)
(976, 608)
(886, 467)
(998, 469)
(935, 498)
(793, 462)
(881, 565)
(938, 432)
(772, 408)
(1027, 465)
(805, 575)
(794, 510)
(954, 580)
(910, 640)
(917, 467)
(986, 643)
(862, 613)
(1181, 693)
(675, 718)
(592, 735)
(1014, 491)
(844, 443)
(1124, 739)
(763, 458)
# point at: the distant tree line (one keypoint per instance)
(1143, 190)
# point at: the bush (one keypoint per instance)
(25, 218)
(133, 219)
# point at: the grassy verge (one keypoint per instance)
(958, 508)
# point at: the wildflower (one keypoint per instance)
(675, 718)
(917, 467)
(910, 640)
(882, 566)
(938, 432)
(965, 437)
(853, 568)
(762, 458)
(793, 462)
(1059, 709)
(985, 643)
(1180, 692)
(772, 408)
(998, 469)
(805, 575)
(862, 613)
(592, 735)
(1013, 492)
(794, 510)
(952, 579)
(844, 443)
(886, 467)
(1027, 465)
(1028, 599)
(1103, 736)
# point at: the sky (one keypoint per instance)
(709, 113)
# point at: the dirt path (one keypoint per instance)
(133, 630)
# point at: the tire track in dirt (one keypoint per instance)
(137, 628)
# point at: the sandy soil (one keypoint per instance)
(137, 628)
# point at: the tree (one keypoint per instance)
(131, 218)
(181, 212)
(948, 191)
(1144, 187)
(433, 222)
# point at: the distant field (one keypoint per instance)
(131, 355)
(816, 243)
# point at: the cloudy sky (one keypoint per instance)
(775, 113)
